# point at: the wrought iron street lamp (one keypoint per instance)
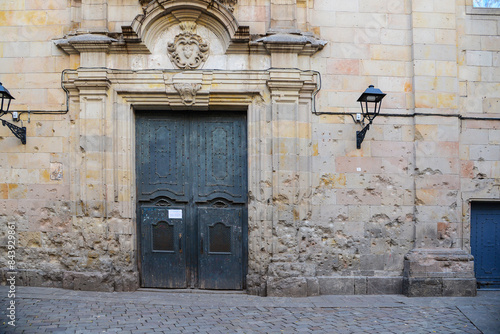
(372, 97)
(19, 132)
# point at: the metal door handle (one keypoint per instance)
(202, 244)
(180, 243)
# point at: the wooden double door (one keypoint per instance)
(192, 199)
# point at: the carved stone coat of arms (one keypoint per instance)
(189, 50)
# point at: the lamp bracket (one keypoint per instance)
(19, 132)
(360, 135)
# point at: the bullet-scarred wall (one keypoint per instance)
(323, 216)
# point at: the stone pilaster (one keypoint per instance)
(92, 144)
(437, 265)
(94, 15)
(291, 92)
(284, 41)
(283, 15)
(291, 138)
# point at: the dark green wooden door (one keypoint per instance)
(192, 195)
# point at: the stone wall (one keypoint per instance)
(324, 217)
(478, 69)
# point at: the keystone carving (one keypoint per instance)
(188, 50)
(187, 91)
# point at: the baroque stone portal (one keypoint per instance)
(189, 50)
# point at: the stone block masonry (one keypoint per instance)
(323, 217)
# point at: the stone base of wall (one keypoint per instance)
(427, 273)
(438, 272)
(30, 277)
(439, 287)
(328, 285)
(256, 285)
(87, 281)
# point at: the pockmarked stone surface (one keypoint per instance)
(323, 217)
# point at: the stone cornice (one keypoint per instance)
(290, 85)
(283, 42)
(209, 87)
(214, 14)
(90, 81)
(100, 43)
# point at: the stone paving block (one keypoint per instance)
(337, 314)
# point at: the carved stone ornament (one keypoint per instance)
(187, 91)
(188, 50)
(229, 4)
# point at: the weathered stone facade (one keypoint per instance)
(323, 216)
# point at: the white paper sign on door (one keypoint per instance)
(174, 214)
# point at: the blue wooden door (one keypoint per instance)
(192, 195)
(485, 244)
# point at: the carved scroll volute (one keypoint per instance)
(189, 50)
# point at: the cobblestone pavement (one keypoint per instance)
(48, 310)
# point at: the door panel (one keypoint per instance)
(195, 163)
(220, 250)
(221, 160)
(163, 247)
(163, 147)
(485, 243)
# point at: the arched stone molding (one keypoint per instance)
(163, 14)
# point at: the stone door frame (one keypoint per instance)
(278, 106)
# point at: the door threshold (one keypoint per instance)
(213, 292)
